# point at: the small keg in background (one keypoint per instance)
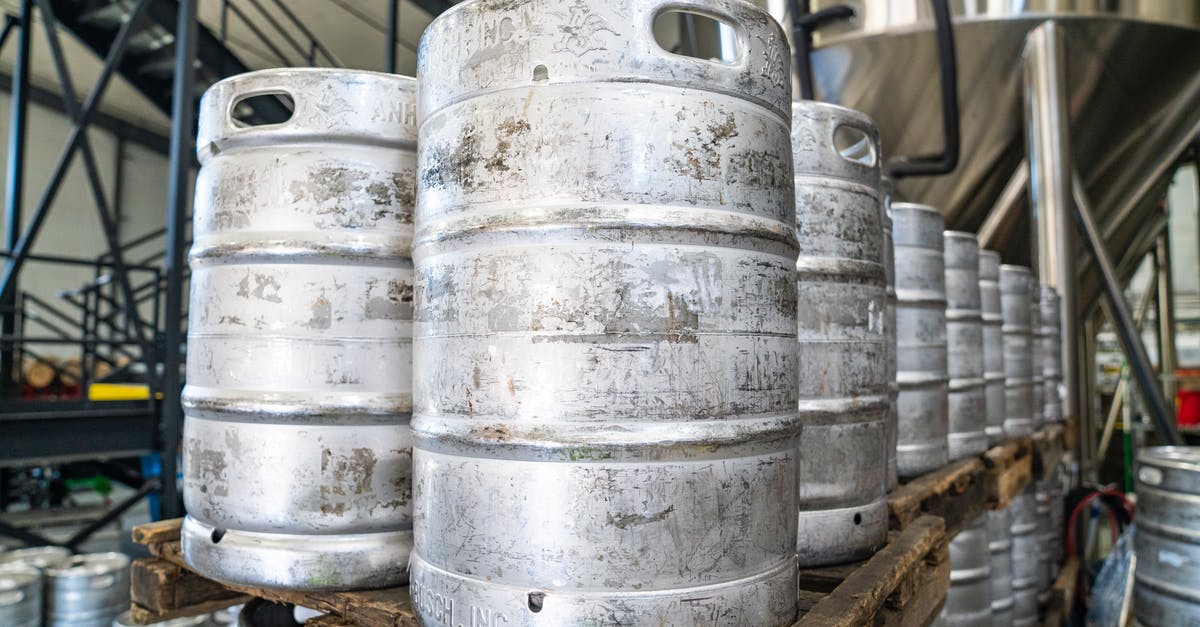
(923, 423)
(1037, 357)
(606, 320)
(969, 600)
(993, 345)
(1015, 282)
(843, 346)
(20, 596)
(1025, 566)
(296, 443)
(89, 590)
(1167, 539)
(1000, 545)
(1052, 362)
(39, 557)
(964, 346)
(889, 321)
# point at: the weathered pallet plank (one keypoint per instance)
(905, 583)
(1009, 468)
(956, 493)
(161, 587)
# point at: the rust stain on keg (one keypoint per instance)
(625, 521)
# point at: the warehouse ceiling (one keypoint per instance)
(354, 31)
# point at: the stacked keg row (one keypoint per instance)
(47, 586)
(682, 344)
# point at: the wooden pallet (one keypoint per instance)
(1047, 451)
(1062, 595)
(1009, 468)
(373, 608)
(905, 583)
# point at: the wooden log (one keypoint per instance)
(39, 372)
(904, 583)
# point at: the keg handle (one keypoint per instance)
(253, 86)
(712, 11)
(867, 135)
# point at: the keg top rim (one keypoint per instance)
(88, 564)
(817, 105)
(1181, 457)
(990, 254)
(915, 206)
(34, 556)
(339, 71)
(963, 235)
(19, 573)
(1009, 267)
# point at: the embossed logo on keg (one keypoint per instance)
(395, 112)
(440, 608)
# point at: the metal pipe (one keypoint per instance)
(1047, 121)
(178, 204)
(1168, 354)
(1118, 395)
(14, 189)
(10, 24)
(393, 22)
(1002, 218)
(1131, 341)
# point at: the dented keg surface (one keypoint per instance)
(1015, 282)
(1051, 350)
(606, 321)
(964, 346)
(87, 590)
(920, 339)
(297, 449)
(1167, 539)
(1037, 358)
(1023, 510)
(39, 557)
(841, 295)
(1000, 546)
(889, 321)
(20, 596)
(969, 600)
(993, 345)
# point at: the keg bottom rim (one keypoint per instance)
(857, 542)
(297, 562)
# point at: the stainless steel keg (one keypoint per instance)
(297, 449)
(969, 600)
(889, 321)
(1051, 350)
(993, 345)
(39, 557)
(1015, 282)
(1037, 356)
(841, 296)
(204, 620)
(1167, 539)
(20, 596)
(920, 339)
(1000, 545)
(88, 590)
(964, 346)
(605, 321)
(1023, 509)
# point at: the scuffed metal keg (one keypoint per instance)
(889, 321)
(841, 293)
(1048, 495)
(1051, 351)
(20, 596)
(1015, 282)
(1025, 567)
(297, 449)
(87, 591)
(964, 342)
(969, 600)
(606, 321)
(39, 557)
(1037, 356)
(920, 339)
(993, 345)
(1000, 546)
(1167, 539)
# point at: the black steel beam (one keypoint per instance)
(393, 23)
(111, 515)
(28, 537)
(38, 430)
(178, 206)
(14, 188)
(433, 7)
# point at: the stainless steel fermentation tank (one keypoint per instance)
(605, 390)
(297, 449)
(1167, 539)
(844, 350)
(922, 412)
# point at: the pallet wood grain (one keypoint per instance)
(159, 586)
(957, 493)
(1009, 469)
(905, 583)
(1047, 451)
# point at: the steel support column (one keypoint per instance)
(178, 203)
(1168, 354)
(393, 23)
(14, 187)
(1127, 332)
(1047, 121)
